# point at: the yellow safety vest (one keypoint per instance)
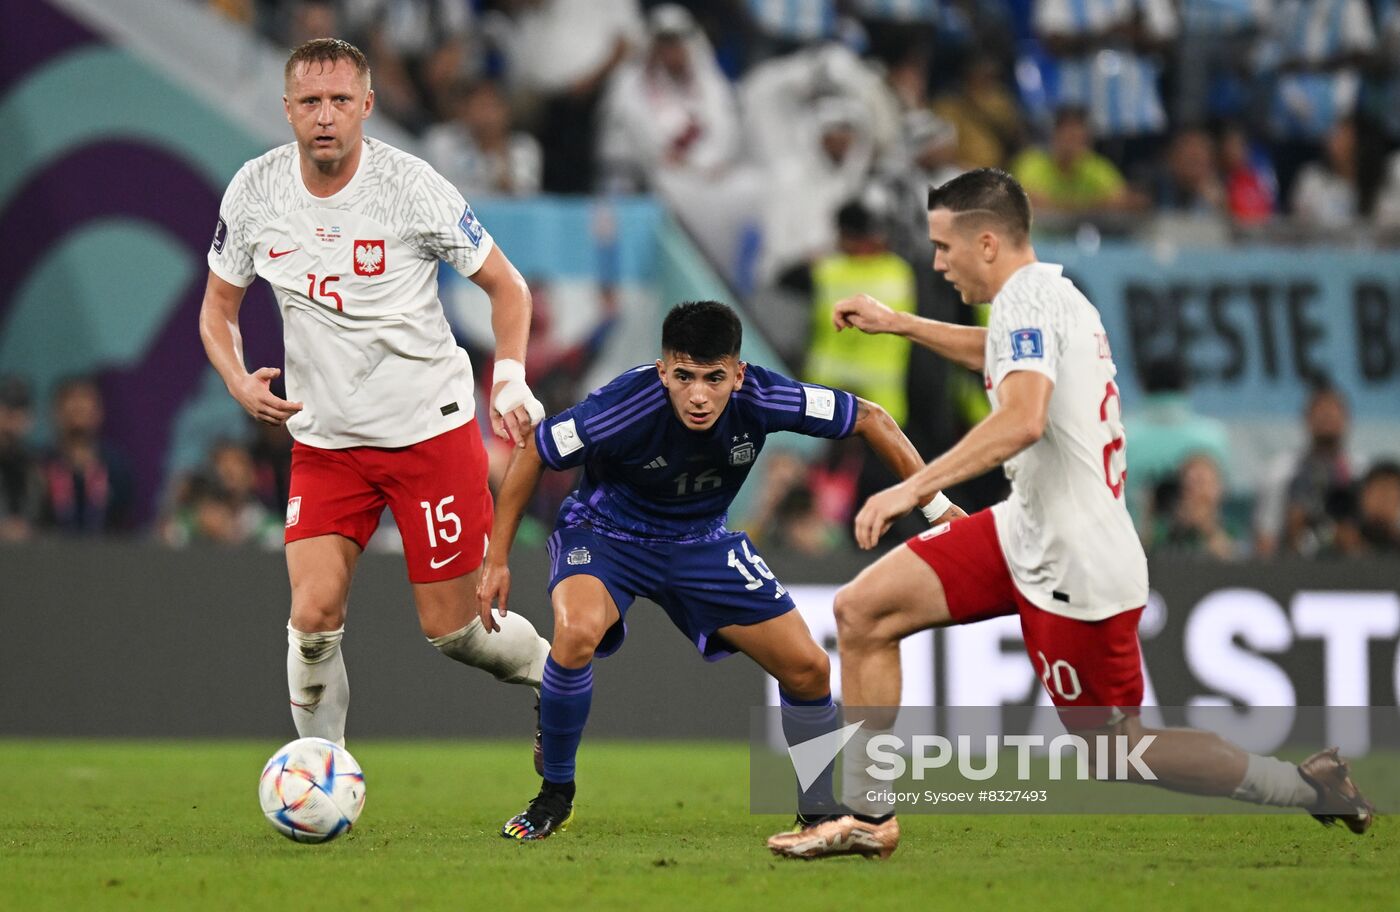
(872, 367)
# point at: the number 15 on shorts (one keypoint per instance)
(445, 520)
(760, 566)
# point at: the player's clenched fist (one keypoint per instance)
(494, 588)
(865, 314)
(514, 409)
(254, 393)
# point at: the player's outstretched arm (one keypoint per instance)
(965, 345)
(522, 475)
(514, 409)
(1017, 422)
(223, 343)
(895, 450)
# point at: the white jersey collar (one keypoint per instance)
(1046, 269)
(331, 202)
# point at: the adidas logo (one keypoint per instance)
(657, 463)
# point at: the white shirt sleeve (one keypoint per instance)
(231, 253)
(1024, 334)
(444, 226)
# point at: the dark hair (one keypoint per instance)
(1165, 374)
(464, 89)
(989, 192)
(1071, 113)
(1321, 388)
(1386, 468)
(855, 219)
(74, 383)
(706, 331)
(326, 51)
(15, 393)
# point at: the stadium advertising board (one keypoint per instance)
(1237, 636)
(1255, 326)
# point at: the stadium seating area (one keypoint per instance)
(1277, 118)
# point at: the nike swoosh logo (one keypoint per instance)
(280, 253)
(435, 563)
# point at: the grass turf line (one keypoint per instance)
(176, 825)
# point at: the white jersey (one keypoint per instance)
(1065, 530)
(368, 349)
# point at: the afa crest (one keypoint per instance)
(369, 258)
(741, 454)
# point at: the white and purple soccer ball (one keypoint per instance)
(312, 790)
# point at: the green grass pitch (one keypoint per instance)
(176, 825)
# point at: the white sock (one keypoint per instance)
(1269, 780)
(320, 691)
(860, 791)
(514, 654)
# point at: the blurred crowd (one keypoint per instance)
(80, 484)
(1322, 501)
(795, 139)
(1272, 117)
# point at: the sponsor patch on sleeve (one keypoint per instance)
(1026, 343)
(566, 437)
(470, 226)
(821, 403)
(220, 235)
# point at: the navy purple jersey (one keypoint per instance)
(646, 476)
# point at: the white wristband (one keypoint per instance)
(507, 369)
(936, 507)
(516, 392)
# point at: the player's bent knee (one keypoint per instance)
(1117, 742)
(857, 624)
(317, 615)
(576, 639)
(847, 607)
(513, 654)
(809, 679)
(317, 606)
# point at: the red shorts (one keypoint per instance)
(1091, 669)
(436, 488)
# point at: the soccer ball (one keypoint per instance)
(312, 790)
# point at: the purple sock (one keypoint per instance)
(565, 695)
(804, 720)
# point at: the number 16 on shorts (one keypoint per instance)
(752, 582)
